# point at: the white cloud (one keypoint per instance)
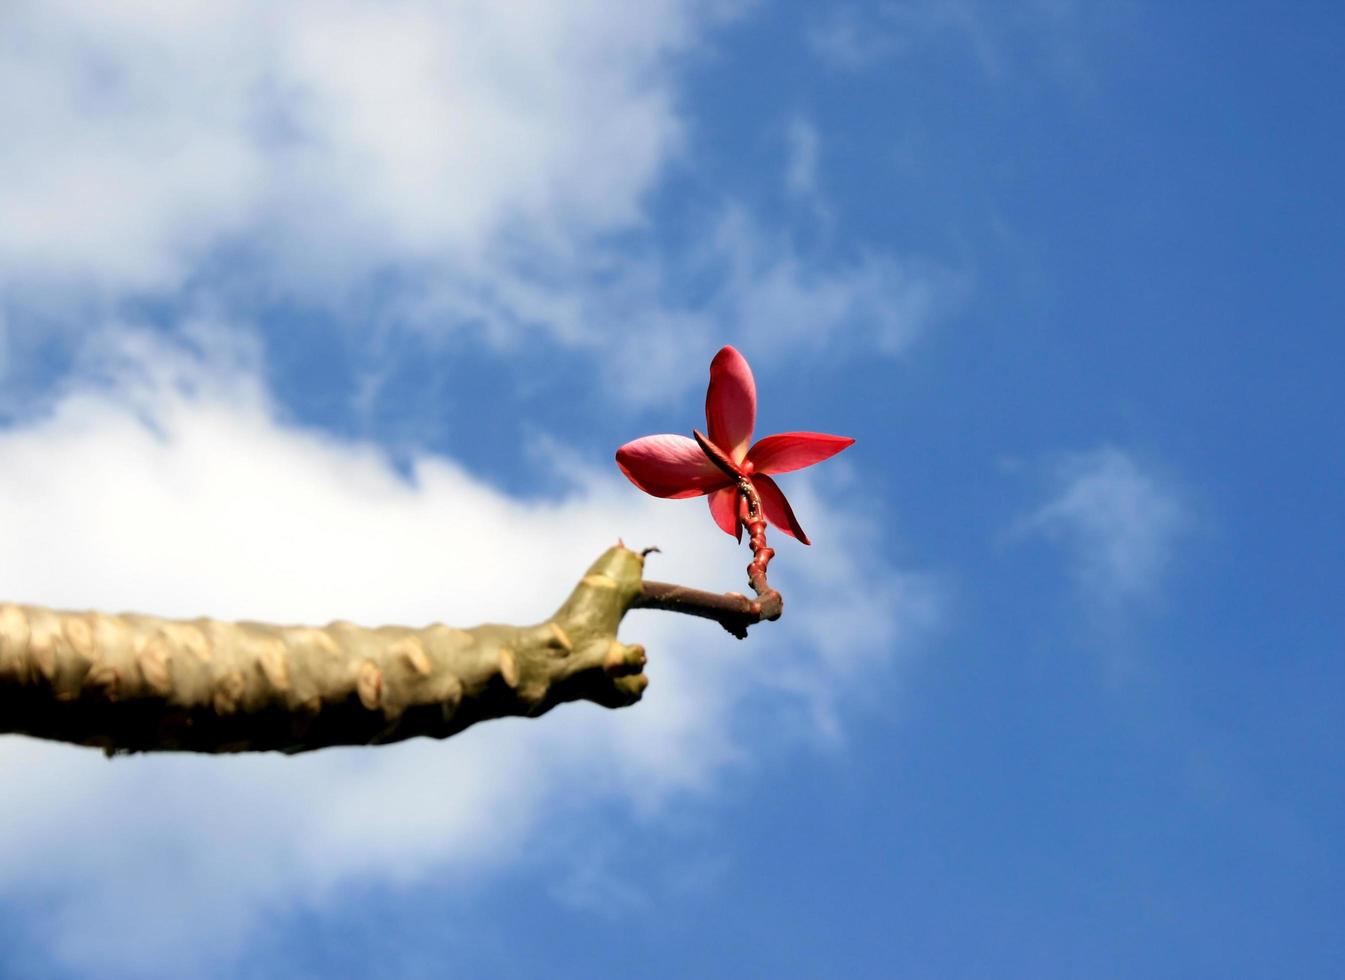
(344, 135)
(1118, 521)
(483, 153)
(465, 163)
(167, 484)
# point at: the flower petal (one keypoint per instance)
(669, 466)
(724, 509)
(795, 450)
(776, 507)
(731, 403)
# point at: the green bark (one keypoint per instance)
(133, 683)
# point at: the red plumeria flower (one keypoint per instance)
(675, 466)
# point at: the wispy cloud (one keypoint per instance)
(855, 38)
(163, 480)
(1118, 521)
(803, 146)
(1051, 37)
(844, 37)
(754, 287)
(435, 167)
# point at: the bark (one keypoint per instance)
(133, 683)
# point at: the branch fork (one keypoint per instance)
(732, 610)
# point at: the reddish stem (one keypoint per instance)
(754, 519)
(731, 610)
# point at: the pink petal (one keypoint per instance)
(777, 509)
(795, 450)
(724, 509)
(731, 403)
(669, 466)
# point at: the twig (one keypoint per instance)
(731, 610)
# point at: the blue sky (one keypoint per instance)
(340, 309)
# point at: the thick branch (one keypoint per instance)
(131, 683)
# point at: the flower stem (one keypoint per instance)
(769, 601)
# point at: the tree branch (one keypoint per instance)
(133, 683)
